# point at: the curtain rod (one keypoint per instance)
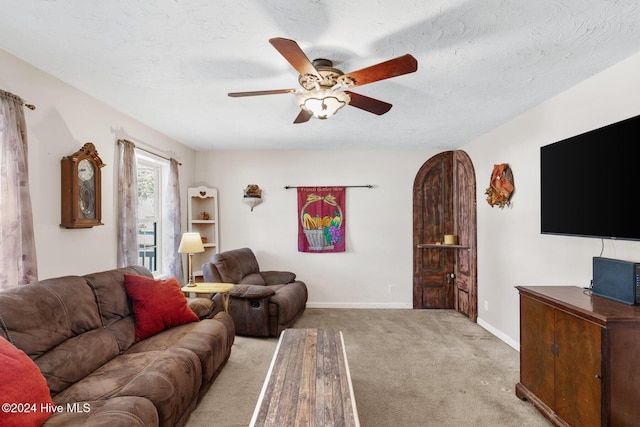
(120, 141)
(17, 98)
(286, 187)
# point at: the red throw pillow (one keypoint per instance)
(24, 392)
(157, 304)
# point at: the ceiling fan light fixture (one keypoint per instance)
(322, 103)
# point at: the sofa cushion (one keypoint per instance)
(113, 304)
(111, 295)
(157, 304)
(277, 277)
(38, 317)
(251, 292)
(76, 358)
(126, 411)
(171, 379)
(252, 279)
(236, 264)
(210, 339)
(56, 322)
(22, 384)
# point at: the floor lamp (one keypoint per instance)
(190, 244)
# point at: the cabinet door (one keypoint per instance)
(537, 350)
(578, 370)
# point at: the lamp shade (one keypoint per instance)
(322, 103)
(191, 243)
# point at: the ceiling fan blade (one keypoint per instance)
(365, 103)
(260, 92)
(296, 57)
(392, 68)
(304, 116)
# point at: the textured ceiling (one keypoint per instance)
(171, 63)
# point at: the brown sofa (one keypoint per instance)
(80, 332)
(263, 303)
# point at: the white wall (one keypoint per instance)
(379, 220)
(511, 250)
(64, 120)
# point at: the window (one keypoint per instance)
(151, 176)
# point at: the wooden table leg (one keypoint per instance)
(225, 301)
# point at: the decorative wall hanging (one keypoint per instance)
(501, 186)
(252, 196)
(321, 219)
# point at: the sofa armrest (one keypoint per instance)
(202, 307)
(292, 295)
(251, 292)
(277, 277)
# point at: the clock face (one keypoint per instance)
(85, 170)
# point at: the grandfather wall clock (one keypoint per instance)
(81, 188)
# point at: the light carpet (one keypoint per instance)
(408, 368)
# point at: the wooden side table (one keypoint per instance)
(212, 288)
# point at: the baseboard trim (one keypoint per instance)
(500, 335)
(358, 305)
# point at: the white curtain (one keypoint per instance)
(171, 258)
(127, 205)
(18, 263)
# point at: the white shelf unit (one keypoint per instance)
(203, 199)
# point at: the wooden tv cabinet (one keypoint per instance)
(579, 356)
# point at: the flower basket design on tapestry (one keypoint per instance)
(321, 219)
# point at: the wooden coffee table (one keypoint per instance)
(212, 288)
(308, 382)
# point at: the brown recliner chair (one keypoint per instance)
(263, 303)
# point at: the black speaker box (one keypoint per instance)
(617, 280)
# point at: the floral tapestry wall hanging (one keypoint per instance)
(500, 186)
(321, 219)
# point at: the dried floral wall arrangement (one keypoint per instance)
(501, 186)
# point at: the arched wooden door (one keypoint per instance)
(444, 202)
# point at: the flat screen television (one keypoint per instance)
(590, 183)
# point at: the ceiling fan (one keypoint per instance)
(325, 88)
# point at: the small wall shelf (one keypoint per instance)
(440, 246)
